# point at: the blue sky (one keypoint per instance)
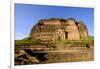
(27, 15)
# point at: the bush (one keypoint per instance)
(89, 39)
(27, 41)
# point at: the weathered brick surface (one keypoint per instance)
(59, 30)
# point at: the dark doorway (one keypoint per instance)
(59, 38)
(66, 35)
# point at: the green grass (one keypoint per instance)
(27, 42)
(58, 43)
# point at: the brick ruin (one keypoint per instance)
(59, 29)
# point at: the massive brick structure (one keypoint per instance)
(59, 29)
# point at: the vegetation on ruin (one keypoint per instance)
(27, 41)
(31, 41)
(82, 42)
(53, 19)
(59, 43)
